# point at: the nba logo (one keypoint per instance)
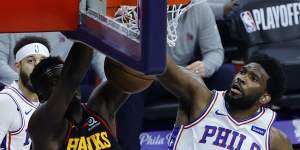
(248, 21)
(36, 49)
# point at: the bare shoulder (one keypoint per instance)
(279, 140)
(48, 139)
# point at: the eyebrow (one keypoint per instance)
(30, 56)
(251, 70)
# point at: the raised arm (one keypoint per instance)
(49, 117)
(190, 89)
(279, 140)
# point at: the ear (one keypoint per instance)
(18, 65)
(265, 99)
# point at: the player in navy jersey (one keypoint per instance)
(236, 119)
(62, 122)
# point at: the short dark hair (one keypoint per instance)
(276, 82)
(41, 74)
(31, 39)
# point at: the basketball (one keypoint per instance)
(125, 78)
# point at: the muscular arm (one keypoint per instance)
(192, 91)
(49, 117)
(279, 141)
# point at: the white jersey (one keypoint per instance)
(15, 112)
(215, 129)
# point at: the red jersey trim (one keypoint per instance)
(98, 117)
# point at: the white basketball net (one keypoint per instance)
(127, 15)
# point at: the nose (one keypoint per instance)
(241, 80)
(37, 61)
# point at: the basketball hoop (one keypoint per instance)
(128, 16)
(120, 26)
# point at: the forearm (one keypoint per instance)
(176, 80)
(190, 89)
(74, 69)
(76, 65)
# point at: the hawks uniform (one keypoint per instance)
(92, 134)
(215, 129)
(15, 112)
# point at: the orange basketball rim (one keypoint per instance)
(113, 5)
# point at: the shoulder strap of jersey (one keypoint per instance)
(16, 93)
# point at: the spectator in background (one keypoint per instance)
(18, 101)
(221, 7)
(60, 47)
(198, 49)
(58, 43)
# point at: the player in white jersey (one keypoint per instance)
(236, 119)
(18, 101)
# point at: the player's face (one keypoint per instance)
(25, 68)
(248, 87)
(48, 84)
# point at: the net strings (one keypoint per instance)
(128, 16)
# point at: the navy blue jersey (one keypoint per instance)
(93, 133)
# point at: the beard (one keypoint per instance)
(25, 80)
(240, 103)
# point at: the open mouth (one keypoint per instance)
(235, 89)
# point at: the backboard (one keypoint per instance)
(145, 52)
